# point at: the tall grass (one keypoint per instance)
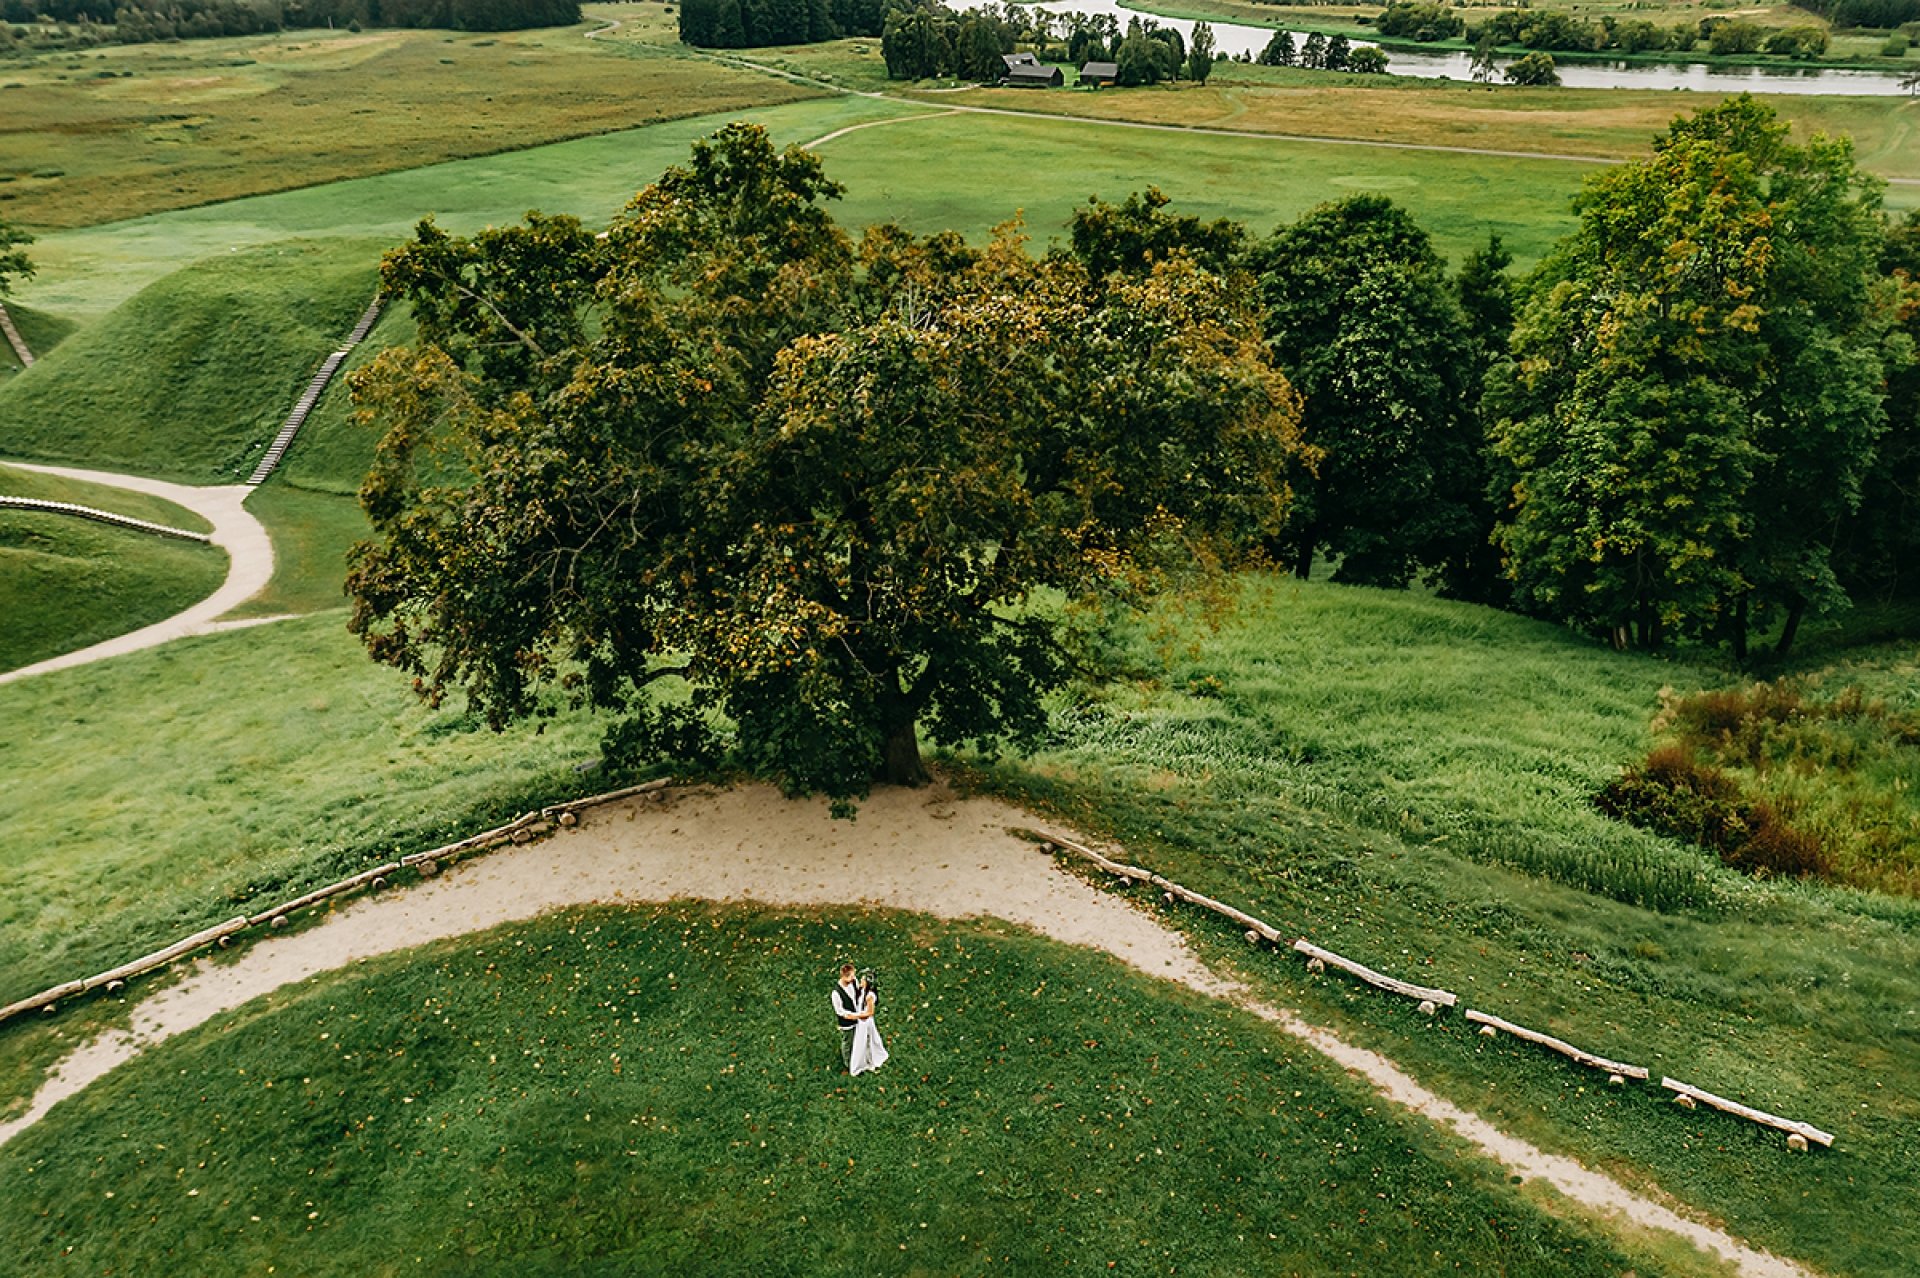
(1409, 782)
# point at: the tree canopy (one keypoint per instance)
(764, 490)
(1698, 384)
(1360, 313)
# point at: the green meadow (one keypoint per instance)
(650, 1090)
(1404, 779)
(71, 582)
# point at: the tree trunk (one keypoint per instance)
(1739, 634)
(1796, 610)
(902, 763)
(1303, 555)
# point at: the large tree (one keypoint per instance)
(1697, 386)
(815, 485)
(1361, 315)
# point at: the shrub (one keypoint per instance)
(1674, 794)
(1896, 46)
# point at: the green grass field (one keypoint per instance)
(190, 378)
(120, 131)
(652, 1090)
(312, 532)
(69, 582)
(1408, 781)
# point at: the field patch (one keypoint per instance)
(71, 582)
(112, 133)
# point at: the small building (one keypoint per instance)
(1031, 75)
(1099, 73)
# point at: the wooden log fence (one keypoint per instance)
(1266, 931)
(549, 818)
(1426, 994)
(1561, 1046)
(101, 516)
(518, 830)
(1257, 928)
(1793, 1127)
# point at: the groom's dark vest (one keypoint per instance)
(844, 1007)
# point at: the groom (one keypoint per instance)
(846, 1009)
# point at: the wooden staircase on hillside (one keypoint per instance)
(14, 339)
(311, 395)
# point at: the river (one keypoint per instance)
(1233, 39)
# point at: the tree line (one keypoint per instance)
(141, 21)
(1554, 30)
(846, 491)
(748, 24)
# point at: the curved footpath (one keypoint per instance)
(235, 530)
(913, 850)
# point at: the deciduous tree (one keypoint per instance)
(1697, 386)
(1360, 314)
(815, 485)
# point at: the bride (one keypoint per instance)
(868, 1051)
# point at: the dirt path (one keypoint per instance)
(913, 850)
(235, 530)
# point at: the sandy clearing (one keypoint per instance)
(235, 530)
(915, 850)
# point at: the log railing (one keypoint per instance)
(1431, 999)
(526, 826)
(519, 830)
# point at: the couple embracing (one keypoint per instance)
(853, 1004)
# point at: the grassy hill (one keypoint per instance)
(40, 330)
(1409, 782)
(70, 582)
(1403, 779)
(655, 1090)
(189, 378)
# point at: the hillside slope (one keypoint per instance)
(190, 377)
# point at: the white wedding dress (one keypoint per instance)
(868, 1051)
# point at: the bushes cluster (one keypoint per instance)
(143, 21)
(1674, 794)
(1552, 30)
(1422, 22)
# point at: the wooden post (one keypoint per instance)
(1564, 1048)
(1691, 1093)
(1440, 998)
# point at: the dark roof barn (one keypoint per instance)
(1033, 76)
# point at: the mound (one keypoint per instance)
(40, 330)
(71, 582)
(190, 377)
(654, 1090)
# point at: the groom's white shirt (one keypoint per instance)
(853, 1000)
